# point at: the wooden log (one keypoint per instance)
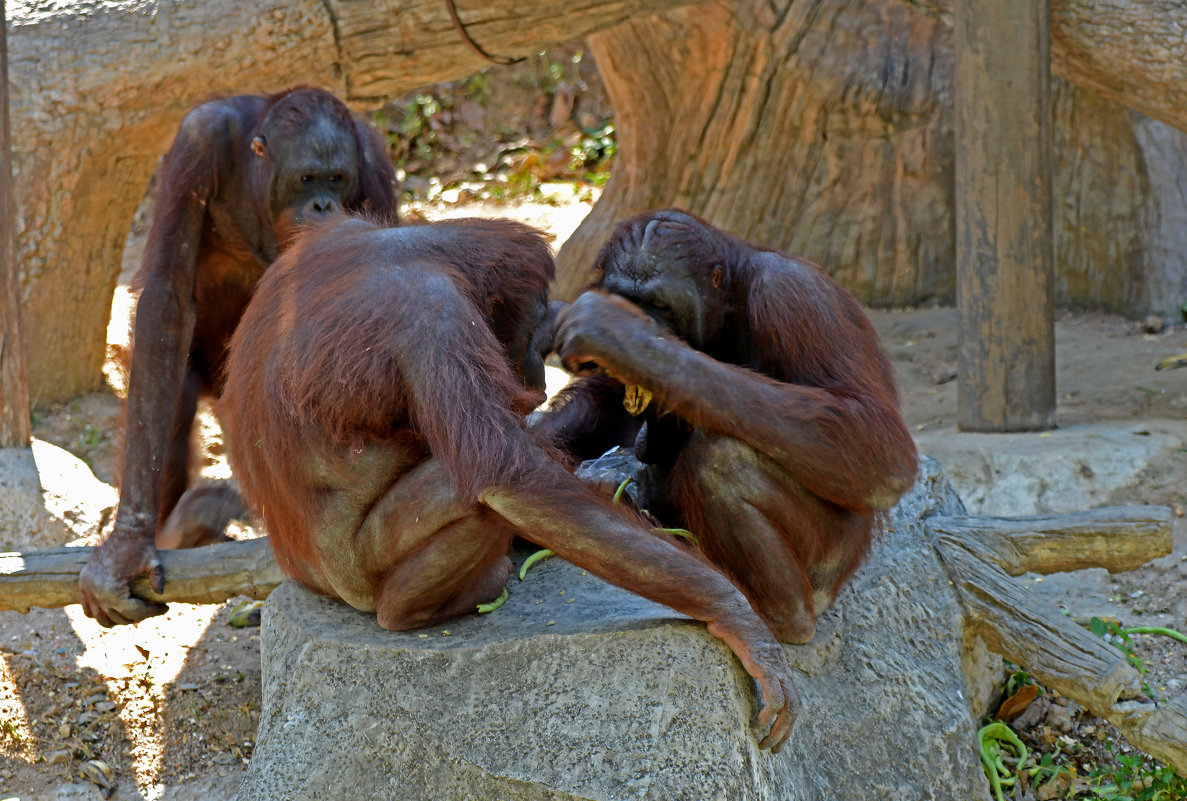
(1160, 731)
(1028, 632)
(1117, 538)
(211, 574)
(977, 552)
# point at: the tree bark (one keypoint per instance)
(1130, 51)
(15, 426)
(99, 88)
(816, 125)
(826, 128)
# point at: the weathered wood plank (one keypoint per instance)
(1160, 731)
(1004, 275)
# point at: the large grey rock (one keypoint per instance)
(577, 690)
(1065, 470)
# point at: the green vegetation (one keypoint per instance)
(504, 134)
(1120, 638)
(1087, 763)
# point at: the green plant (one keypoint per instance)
(477, 88)
(1112, 633)
(90, 437)
(1018, 679)
(1136, 777)
(1113, 777)
(595, 151)
(1165, 632)
(412, 134)
(994, 740)
(1119, 637)
(549, 75)
(1049, 768)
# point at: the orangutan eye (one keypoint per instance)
(307, 178)
(658, 305)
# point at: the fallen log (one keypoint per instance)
(210, 574)
(1117, 538)
(980, 554)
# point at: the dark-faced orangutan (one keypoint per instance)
(242, 174)
(765, 408)
(374, 404)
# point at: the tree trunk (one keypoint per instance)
(14, 391)
(826, 128)
(99, 88)
(1130, 51)
(817, 125)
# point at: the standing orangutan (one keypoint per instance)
(766, 410)
(241, 175)
(374, 407)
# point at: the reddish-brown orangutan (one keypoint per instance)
(374, 405)
(242, 173)
(766, 410)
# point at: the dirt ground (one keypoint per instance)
(170, 706)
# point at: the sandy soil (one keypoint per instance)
(170, 706)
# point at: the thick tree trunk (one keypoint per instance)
(99, 87)
(816, 125)
(826, 128)
(1130, 51)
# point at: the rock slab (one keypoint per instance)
(575, 689)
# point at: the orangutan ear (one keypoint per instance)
(716, 277)
(257, 145)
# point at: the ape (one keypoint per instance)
(375, 397)
(241, 175)
(767, 414)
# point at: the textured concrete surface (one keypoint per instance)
(577, 690)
